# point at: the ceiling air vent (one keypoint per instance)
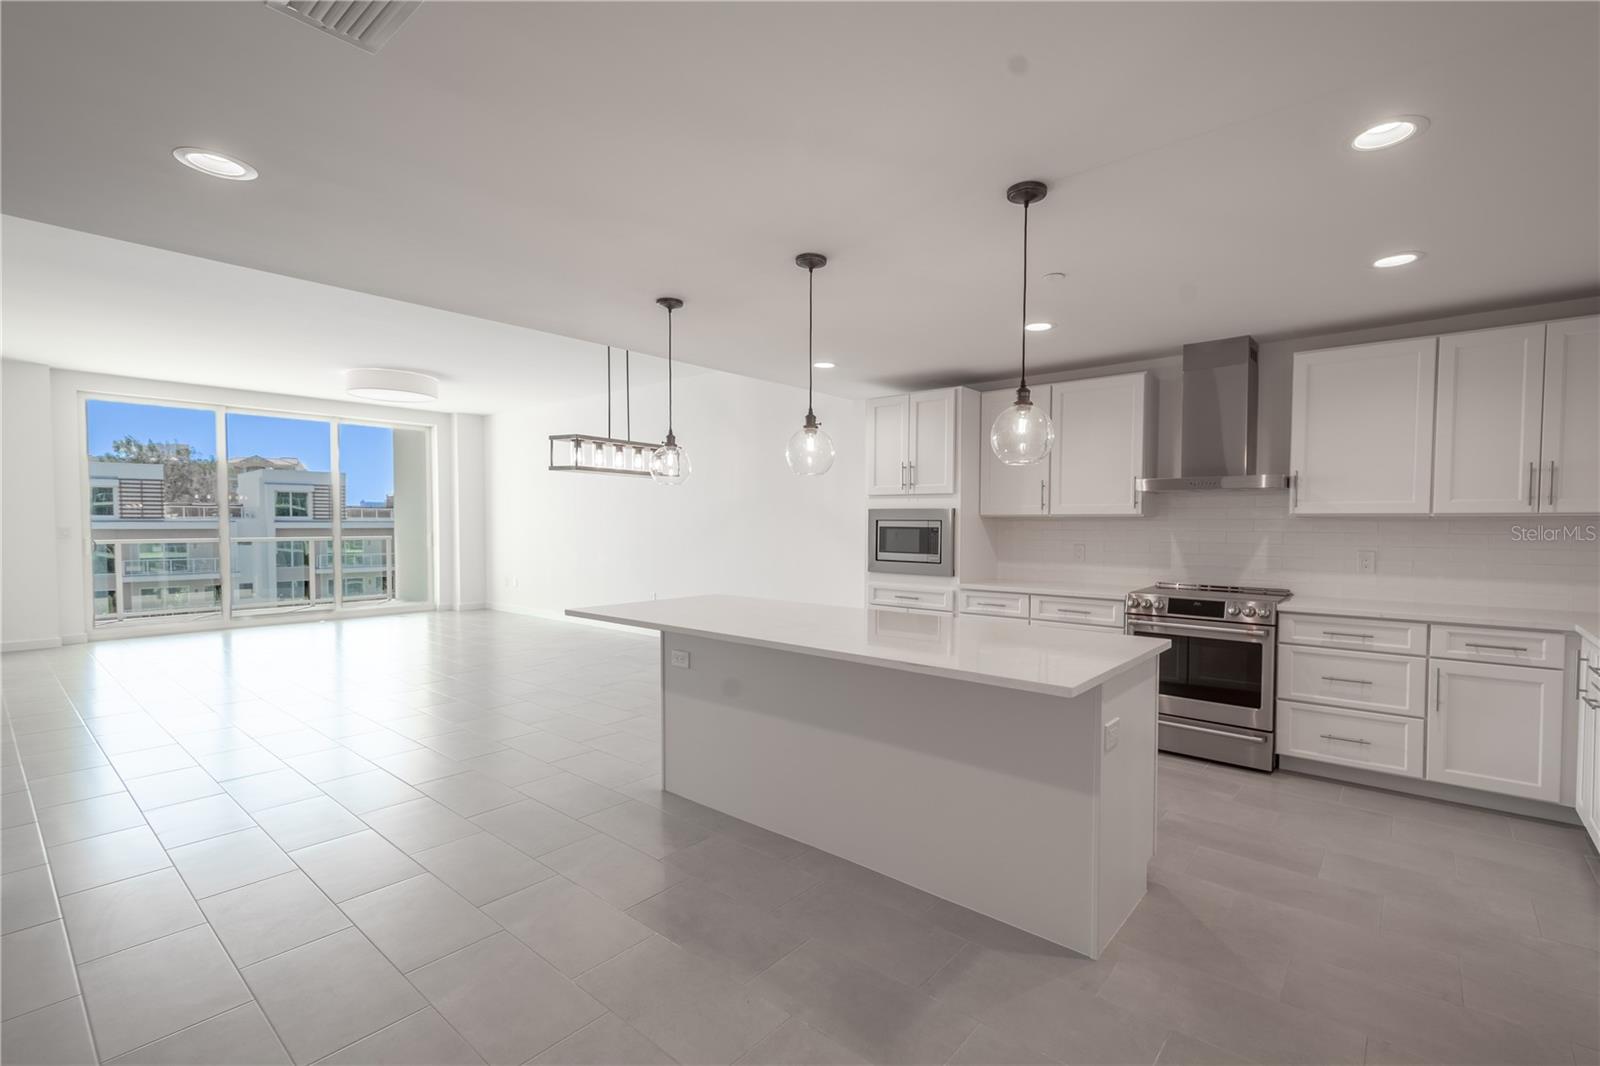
(367, 24)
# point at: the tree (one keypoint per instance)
(184, 478)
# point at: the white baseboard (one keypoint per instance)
(31, 645)
(479, 606)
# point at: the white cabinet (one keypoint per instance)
(1394, 684)
(1361, 430)
(1010, 491)
(1569, 457)
(1491, 401)
(1363, 634)
(1080, 610)
(1496, 728)
(1588, 790)
(914, 597)
(1000, 604)
(1105, 429)
(1517, 647)
(1348, 737)
(911, 444)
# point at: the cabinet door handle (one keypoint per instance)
(1346, 680)
(1347, 740)
(1438, 692)
(912, 469)
(1294, 490)
(902, 477)
(1352, 636)
(1514, 648)
(1530, 482)
(1043, 507)
(1582, 661)
(1552, 496)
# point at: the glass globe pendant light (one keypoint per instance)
(669, 464)
(810, 450)
(1023, 433)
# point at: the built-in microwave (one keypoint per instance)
(911, 541)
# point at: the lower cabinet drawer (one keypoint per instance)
(928, 599)
(1078, 609)
(1392, 684)
(1386, 742)
(1004, 604)
(1522, 647)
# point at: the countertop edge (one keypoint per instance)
(1042, 688)
(1449, 614)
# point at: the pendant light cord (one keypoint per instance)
(811, 365)
(1023, 383)
(608, 391)
(627, 394)
(669, 373)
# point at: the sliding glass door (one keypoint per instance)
(292, 538)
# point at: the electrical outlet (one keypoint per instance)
(1080, 552)
(1366, 562)
(679, 658)
(1113, 735)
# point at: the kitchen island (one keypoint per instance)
(1005, 767)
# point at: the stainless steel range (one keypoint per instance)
(1217, 678)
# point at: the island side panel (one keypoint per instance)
(1127, 814)
(982, 795)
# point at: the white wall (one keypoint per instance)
(29, 614)
(42, 449)
(741, 524)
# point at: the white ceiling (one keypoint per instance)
(558, 166)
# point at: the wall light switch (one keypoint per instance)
(1113, 735)
(1080, 552)
(1366, 562)
(679, 658)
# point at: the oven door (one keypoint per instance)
(1215, 673)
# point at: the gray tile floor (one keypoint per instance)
(441, 839)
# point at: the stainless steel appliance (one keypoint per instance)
(1217, 678)
(1217, 436)
(908, 540)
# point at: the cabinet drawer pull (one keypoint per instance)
(1069, 610)
(1497, 647)
(1352, 636)
(1347, 680)
(986, 603)
(1530, 482)
(1347, 740)
(1552, 483)
(900, 596)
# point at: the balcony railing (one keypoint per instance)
(369, 512)
(170, 564)
(198, 510)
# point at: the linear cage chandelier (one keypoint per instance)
(591, 453)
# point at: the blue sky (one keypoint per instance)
(365, 452)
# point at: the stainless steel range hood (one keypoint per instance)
(1217, 449)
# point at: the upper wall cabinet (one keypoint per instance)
(911, 444)
(1361, 431)
(1486, 444)
(1010, 491)
(1569, 453)
(1105, 441)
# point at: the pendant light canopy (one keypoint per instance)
(669, 464)
(1023, 433)
(810, 450)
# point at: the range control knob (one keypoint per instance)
(1264, 612)
(1249, 612)
(1233, 608)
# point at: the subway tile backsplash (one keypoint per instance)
(1249, 538)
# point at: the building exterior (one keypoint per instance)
(155, 556)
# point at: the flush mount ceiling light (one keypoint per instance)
(390, 386)
(1039, 327)
(215, 164)
(1023, 433)
(669, 464)
(1398, 259)
(1389, 133)
(824, 365)
(590, 453)
(810, 450)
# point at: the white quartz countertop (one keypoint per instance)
(1036, 588)
(1586, 624)
(986, 651)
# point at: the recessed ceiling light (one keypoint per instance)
(392, 386)
(1039, 327)
(215, 164)
(823, 366)
(1398, 259)
(1389, 133)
